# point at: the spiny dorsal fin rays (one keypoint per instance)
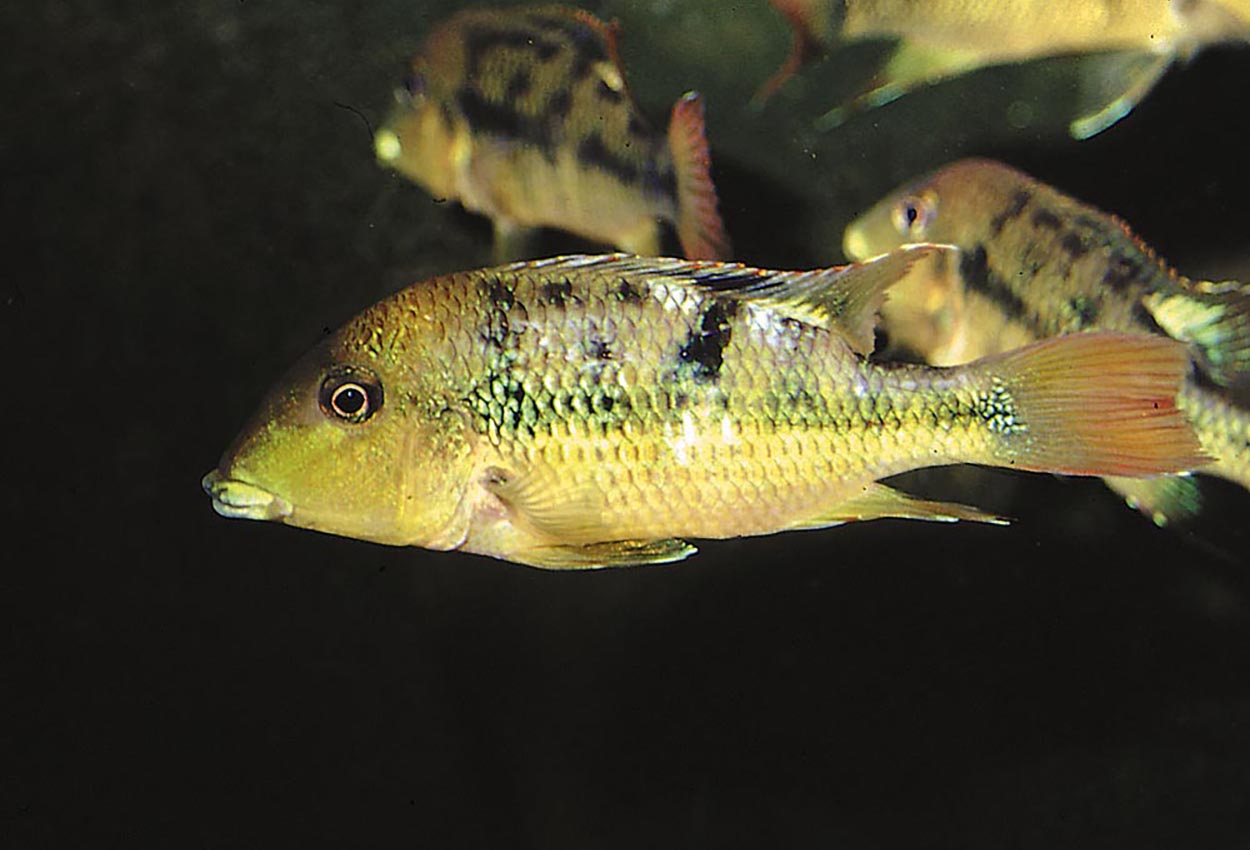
(842, 298)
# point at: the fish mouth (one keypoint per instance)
(240, 500)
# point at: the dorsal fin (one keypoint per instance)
(844, 299)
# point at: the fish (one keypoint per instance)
(590, 411)
(1125, 46)
(523, 115)
(1036, 263)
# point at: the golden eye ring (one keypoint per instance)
(350, 395)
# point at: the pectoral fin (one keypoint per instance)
(616, 553)
(881, 502)
(550, 508)
(1112, 84)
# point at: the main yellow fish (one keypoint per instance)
(1037, 263)
(594, 411)
(1131, 43)
(523, 115)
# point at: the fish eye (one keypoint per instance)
(914, 213)
(350, 394)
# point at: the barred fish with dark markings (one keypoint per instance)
(1036, 264)
(596, 411)
(524, 115)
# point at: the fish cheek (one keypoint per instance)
(436, 468)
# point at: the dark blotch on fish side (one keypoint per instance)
(593, 152)
(481, 40)
(518, 87)
(628, 293)
(1086, 310)
(1047, 219)
(1121, 272)
(974, 268)
(556, 294)
(705, 349)
(1074, 246)
(496, 119)
(1019, 201)
(500, 293)
(558, 106)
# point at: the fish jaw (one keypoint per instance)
(238, 499)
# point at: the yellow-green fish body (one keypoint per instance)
(524, 115)
(1135, 42)
(1036, 263)
(590, 411)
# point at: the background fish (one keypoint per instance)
(592, 411)
(1036, 263)
(524, 115)
(1131, 42)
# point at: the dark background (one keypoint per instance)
(191, 198)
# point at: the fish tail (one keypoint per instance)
(699, 224)
(1091, 404)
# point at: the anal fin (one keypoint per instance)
(910, 66)
(1164, 500)
(881, 502)
(615, 553)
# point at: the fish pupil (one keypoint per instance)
(349, 400)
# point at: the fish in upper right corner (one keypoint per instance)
(1036, 263)
(1127, 45)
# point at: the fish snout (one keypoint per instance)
(240, 500)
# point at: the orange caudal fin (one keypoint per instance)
(699, 225)
(1091, 404)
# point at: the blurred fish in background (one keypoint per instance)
(1126, 45)
(524, 115)
(1037, 263)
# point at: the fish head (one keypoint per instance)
(354, 440)
(927, 313)
(418, 137)
(955, 205)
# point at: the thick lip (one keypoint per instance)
(240, 500)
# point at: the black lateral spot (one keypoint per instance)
(974, 268)
(1019, 201)
(1122, 272)
(628, 293)
(1047, 219)
(705, 349)
(1074, 246)
(556, 294)
(598, 348)
(594, 153)
(499, 293)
